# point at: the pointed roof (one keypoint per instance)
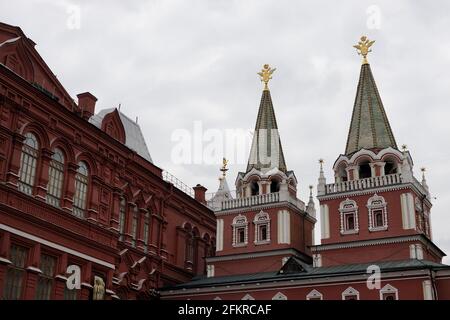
(266, 152)
(222, 194)
(369, 128)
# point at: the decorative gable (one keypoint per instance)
(113, 126)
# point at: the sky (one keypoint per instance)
(190, 66)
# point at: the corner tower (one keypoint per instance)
(375, 210)
(265, 224)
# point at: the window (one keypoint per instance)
(390, 167)
(377, 207)
(274, 186)
(314, 295)
(262, 228)
(365, 171)
(134, 225)
(349, 217)
(254, 188)
(122, 216)
(189, 248)
(146, 229)
(240, 231)
(341, 173)
(28, 163)
(388, 292)
(350, 294)
(45, 281)
(55, 178)
(15, 275)
(81, 185)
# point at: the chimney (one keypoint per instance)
(199, 193)
(86, 103)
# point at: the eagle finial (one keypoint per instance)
(266, 75)
(363, 48)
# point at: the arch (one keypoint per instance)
(90, 162)
(392, 163)
(341, 171)
(349, 221)
(314, 295)
(28, 163)
(55, 183)
(240, 230)
(186, 226)
(364, 168)
(39, 131)
(279, 296)
(65, 146)
(262, 227)
(378, 218)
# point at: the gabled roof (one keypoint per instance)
(369, 128)
(134, 138)
(266, 139)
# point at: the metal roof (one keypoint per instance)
(134, 138)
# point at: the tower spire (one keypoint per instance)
(369, 128)
(266, 152)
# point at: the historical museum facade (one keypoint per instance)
(80, 189)
(79, 192)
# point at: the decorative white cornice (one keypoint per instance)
(252, 255)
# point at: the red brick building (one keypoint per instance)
(375, 220)
(79, 188)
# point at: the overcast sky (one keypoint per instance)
(175, 62)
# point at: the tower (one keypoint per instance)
(375, 210)
(266, 223)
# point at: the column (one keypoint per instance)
(140, 229)
(12, 176)
(42, 173)
(86, 286)
(4, 261)
(33, 272)
(128, 238)
(61, 279)
(114, 220)
(69, 186)
(92, 204)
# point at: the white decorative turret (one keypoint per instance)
(424, 182)
(223, 193)
(322, 180)
(310, 209)
(406, 170)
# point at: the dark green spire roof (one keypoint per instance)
(266, 152)
(370, 127)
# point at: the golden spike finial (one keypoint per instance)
(224, 168)
(363, 48)
(266, 75)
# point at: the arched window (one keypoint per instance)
(377, 207)
(55, 178)
(81, 186)
(365, 171)
(122, 217)
(146, 229)
(274, 186)
(134, 225)
(254, 188)
(189, 250)
(390, 167)
(341, 173)
(349, 217)
(240, 231)
(262, 228)
(28, 163)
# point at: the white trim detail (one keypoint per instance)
(325, 221)
(56, 246)
(317, 260)
(347, 207)
(210, 270)
(247, 297)
(284, 227)
(217, 298)
(388, 289)
(350, 292)
(408, 211)
(240, 221)
(314, 295)
(377, 202)
(279, 296)
(219, 238)
(427, 290)
(262, 218)
(416, 251)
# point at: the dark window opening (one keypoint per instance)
(254, 187)
(378, 218)
(241, 235)
(274, 186)
(350, 222)
(364, 170)
(263, 233)
(390, 168)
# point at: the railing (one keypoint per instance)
(251, 201)
(167, 176)
(361, 184)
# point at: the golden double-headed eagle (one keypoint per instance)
(266, 75)
(363, 47)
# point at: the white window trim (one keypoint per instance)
(388, 289)
(279, 296)
(378, 206)
(247, 297)
(314, 294)
(236, 224)
(350, 292)
(343, 211)
(262, 218)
